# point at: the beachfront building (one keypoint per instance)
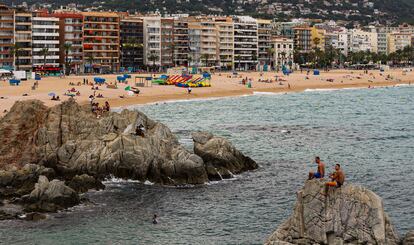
(283, 52)
(318, 38)
(337, 39)
(152, 40)
(45, 44)
(360, 40)
(101, 41)
(302, 39)
(6, 37)
(203, 41)
(225, 32)
(245, 43)
(398, 41)
(167, 42)
(70, 41)
(181, 40)
(23, 40)
(264, 34)
(132, 43)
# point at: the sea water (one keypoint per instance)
(370, 132)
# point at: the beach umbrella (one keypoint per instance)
(128, 88)
(51, 94)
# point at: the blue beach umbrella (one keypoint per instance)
(51, 94)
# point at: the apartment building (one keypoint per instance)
(303, 39)
(132, 42)
(360, 40)
(398, 41)
(181, 40)
(6, 37)
(101, 41)
(318, 38)
(167, 42)
(45, 43)
(283, 51)
(245, 43)
(264, 33)
(23, 40)
(203, 41)
(225, 44)
(152, 40)
(71, 41)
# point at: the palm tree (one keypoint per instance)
(205, 57)
(15, 51)
(44, 52)
(91, 60)
(67, 47)
(238, 58)
(153, 57)
(270, 52)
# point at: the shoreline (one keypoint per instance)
(223, 85)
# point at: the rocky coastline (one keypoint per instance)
(50, 155)
(337, 216)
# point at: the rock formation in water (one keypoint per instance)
(68, 142)
(409, 238)
(347, 215)
(221, 158)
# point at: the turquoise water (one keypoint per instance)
(370, 132)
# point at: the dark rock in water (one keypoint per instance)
(5, 216)
(220, 157)
(409, 238)
(83, 183)
(34, 216)
(51, 196)
(346, 215)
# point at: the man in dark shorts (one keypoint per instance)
(320, 173)
(338, 177)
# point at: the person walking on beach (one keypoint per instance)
(189, 90)
(337, 178)
(320, 173)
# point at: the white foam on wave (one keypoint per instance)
(321, 89)
(402, 85)
(115, 180)
(147, 182)
(268, 93)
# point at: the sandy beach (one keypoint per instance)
(223, 84)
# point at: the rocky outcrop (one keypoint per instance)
(50, 196)
(83, 183)
(409, 238)
(220, 157)
(347, 215)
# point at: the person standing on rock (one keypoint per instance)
(338, 177)
(320, 173)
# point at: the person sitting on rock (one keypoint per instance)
(338, 177)
(320, 173)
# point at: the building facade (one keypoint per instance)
(6, 38)
(181, 41)
(264, 34)
(132, 43)
(398, 41)
(101, 41)
(152, 40)
(167, 42)
(23, 40)
(225, 40)
(283, 52)
(245, 43)
(303, 39)
(45, 43)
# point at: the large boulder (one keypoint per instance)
(84, 182)
(71, 140)
(50, 196)
(221, 158)
(347, 215)
(409, 238)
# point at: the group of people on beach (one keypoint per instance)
(337, 177)
(96, 109)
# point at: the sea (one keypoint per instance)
(370, 132)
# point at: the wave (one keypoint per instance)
(115, 180)
(321, 89)
(268, 93)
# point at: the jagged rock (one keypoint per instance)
(34, 216)
(346, 215)
(84, 182)
(220, 157)
(409, 238)
(50, 196)
(71, 140)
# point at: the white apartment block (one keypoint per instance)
(245, 43)
(152, 40)
(283, 51)
(45, 35)
(360, 40)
